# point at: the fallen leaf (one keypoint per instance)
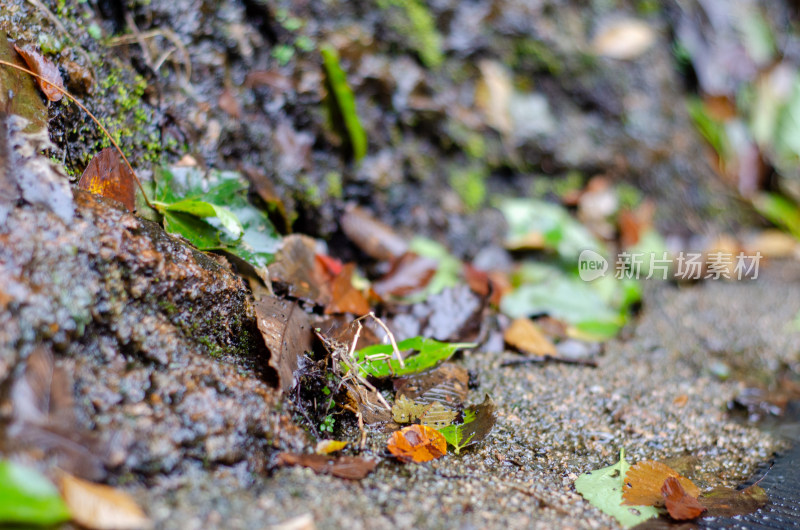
(624, 39)
(406, 410)
(437, 416)
(297, 267)
(344, 101)
(430, 353)
(603, 489)
(526, 337)
(447, 384)
(453, 314)
(478, 423)
(229, 104)
(409, 273)
(417, 443)
(28, 498)
(43, 66)
(680, 505)
(266, 191)
(270, 78)
(286, 330)
(643, 483)
(347, 467)
(493, 94)
(19, 95)
(726, 502)
(106, 175)
(100, 507)
(326, 447)
(344, 297)
(373, 237)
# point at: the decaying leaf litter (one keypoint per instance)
(214, 226)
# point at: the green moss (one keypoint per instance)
(333, 179)
(470, 184)
(419, 26)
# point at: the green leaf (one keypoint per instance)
(603, 489)
(205, 209)
(558, 230)
(345, 101)
(780, 211)
(447, 271)
(430, 353)
(27, 497)
(477, 424)
(213, 213)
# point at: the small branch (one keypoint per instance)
(539, 359)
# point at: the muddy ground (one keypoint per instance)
(556, 422)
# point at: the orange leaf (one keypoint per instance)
(99, 507)
(680, 505)
(106, 175)
(644, 481)
(345, 297)
(44, 67)
(526, 337)
(417, 443)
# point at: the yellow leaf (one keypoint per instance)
(526, 337)
(100, 507)
(326, 447)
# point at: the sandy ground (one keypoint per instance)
(555, 422)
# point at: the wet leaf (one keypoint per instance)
(624, 39)
(344, 297)
(780, 211)
(726, 502)
(409, 273)
(373, 237)
(345, 101)
(417, 443)
(213, 213)
(477, 424)
(603, 489)
(680, 505)
(286, 330)
(534, 224)
(19, 95)
(43, 66)
(429, 354)
(448, 384)
(297, 266)
(347, 467)
(326, 447)
(526, 337)
(406, 410)
(108, 176)
(101, 507)
(29, 498)
(643, 483)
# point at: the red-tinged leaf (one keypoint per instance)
(644, 480)
(108, 176)
(347, 467)
(680, 505)
(408, 274)
(332, 265)
(44, 67)
(345, 297)
(417, 443)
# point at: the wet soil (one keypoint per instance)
(555, 422)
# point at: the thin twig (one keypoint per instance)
(540, 359)
(395, 349)
(92, 116)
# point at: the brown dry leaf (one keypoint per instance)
(348, 467)
(773, 244)
(266, 190)
(409, 273)
(43, 66)
(106, 175)
(448, 384)
(417, 443)
(326, 447)
(373, 237)
(644, 481)
(272, 79)
(229, 104)
(286, 330)
(99, 507)
(493, 96)
(624, 39)
(726, 502)
(680, 505)
(296, 265)
(344, 297)
(526, 337)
